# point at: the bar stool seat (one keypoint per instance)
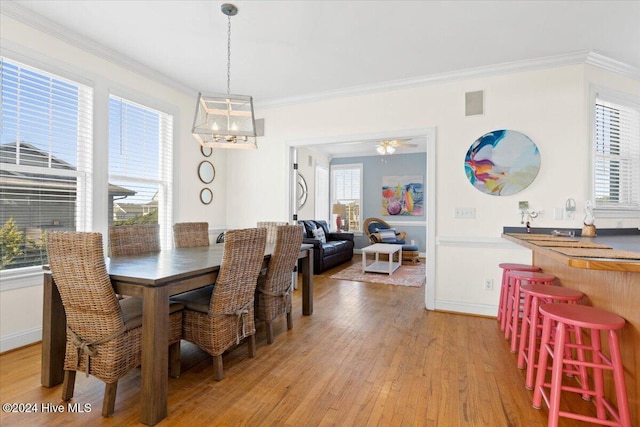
(514, 302)
(504, 288)
(530, 331)
(595, 320)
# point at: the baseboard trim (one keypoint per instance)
(20, 339)
(488, 310)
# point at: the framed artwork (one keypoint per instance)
(502, 162)
(402, 195)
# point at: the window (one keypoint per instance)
(140, 166)
(616, 155)
(45, 153)
(346, 189)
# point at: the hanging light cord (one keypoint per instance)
(229, 55)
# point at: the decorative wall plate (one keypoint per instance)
(206, 196)
(301, 191)
(206, 151)
(502, 162)
(206, 172)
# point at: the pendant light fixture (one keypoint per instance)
(225, 120)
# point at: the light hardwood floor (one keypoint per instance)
(369, 355)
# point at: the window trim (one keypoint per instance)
(333, 199)
(614, 96)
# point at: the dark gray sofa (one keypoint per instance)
(337, 249)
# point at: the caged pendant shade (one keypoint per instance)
(225, 120)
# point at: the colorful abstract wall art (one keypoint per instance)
(502, 162)
(402, 195)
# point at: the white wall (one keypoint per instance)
(548, 105)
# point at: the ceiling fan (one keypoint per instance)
(389, 146)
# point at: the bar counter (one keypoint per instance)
(610, 284)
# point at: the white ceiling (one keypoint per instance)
(295, 49)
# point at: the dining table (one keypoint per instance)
(154, 277)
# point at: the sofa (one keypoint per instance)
(336, 248)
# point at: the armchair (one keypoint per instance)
(379, 231)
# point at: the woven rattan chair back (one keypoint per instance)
(191, 234)
(98, 341)
(134, 239)
(77, 263)
(271, 227)
(241, 261)
(230, 315)
(273, 292)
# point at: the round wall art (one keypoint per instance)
(502, 162)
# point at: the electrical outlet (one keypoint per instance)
(488, 284)
(464, 213)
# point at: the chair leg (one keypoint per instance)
(174, 360)
(109, 401)
(252, 345)
(68, 385)
(269, 329)
(218, 372)
(289, 321)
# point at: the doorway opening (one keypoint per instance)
(365, 145)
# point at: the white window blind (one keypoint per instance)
(616, 156)
(346, 187)
(140, 166)
(45, 159)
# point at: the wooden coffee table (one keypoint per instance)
(382, 266)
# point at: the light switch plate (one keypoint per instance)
(464, 213)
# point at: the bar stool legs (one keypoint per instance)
(514, 303)
(594, 320)
(504, 288)
(532, 325)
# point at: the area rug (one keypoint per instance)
(406, 275)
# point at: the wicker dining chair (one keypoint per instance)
(273, 292)
(271, 227)
(104, 334)
(191, 234)
(134, 239)
(218, 317)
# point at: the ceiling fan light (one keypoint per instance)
(390, 149)
(380, 149)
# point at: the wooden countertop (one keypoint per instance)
(617, 243)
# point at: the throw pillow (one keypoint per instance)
(318, 233)
(388, 236)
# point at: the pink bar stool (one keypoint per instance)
(595, 320)
(514, 301)
(504, 288)
(531, 327)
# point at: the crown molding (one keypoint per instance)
(608, 64)
(581, 57)
(25, 16)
